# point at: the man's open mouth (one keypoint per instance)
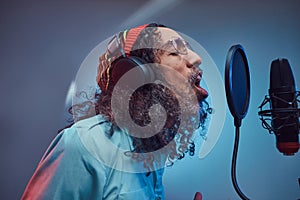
(201, 92)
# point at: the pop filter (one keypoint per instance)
(237, 86)
(237, 83)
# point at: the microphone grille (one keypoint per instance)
(281, 75)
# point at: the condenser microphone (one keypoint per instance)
(283, 113)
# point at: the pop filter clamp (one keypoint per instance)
(237, 86)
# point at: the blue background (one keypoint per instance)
(44, 42)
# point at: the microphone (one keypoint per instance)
(283, 113)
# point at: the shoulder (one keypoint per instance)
(69, 141)
(67, 169)
(82, 134)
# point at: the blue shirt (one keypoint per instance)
(81, 164)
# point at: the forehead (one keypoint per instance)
(167, 34)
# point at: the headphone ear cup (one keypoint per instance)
(142, 72)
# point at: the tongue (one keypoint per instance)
(202, 91)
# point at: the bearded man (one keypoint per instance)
(149, 105)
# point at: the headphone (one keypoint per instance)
(124, 62)
(139, 68)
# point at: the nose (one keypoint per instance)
(193, 60)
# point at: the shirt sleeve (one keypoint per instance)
(67, 171)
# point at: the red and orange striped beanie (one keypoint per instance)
(126, 41)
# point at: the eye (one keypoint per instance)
(173, 54)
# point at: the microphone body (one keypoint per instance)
(284, 107)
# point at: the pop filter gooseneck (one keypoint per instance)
(237, 86)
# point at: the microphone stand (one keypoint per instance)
(237, 124)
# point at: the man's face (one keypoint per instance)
(185, 62)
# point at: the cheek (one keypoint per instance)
(173, 62)
(179, 66)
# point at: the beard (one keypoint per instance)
(177, 122)
(173, 129)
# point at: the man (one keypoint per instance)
(115, 150)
